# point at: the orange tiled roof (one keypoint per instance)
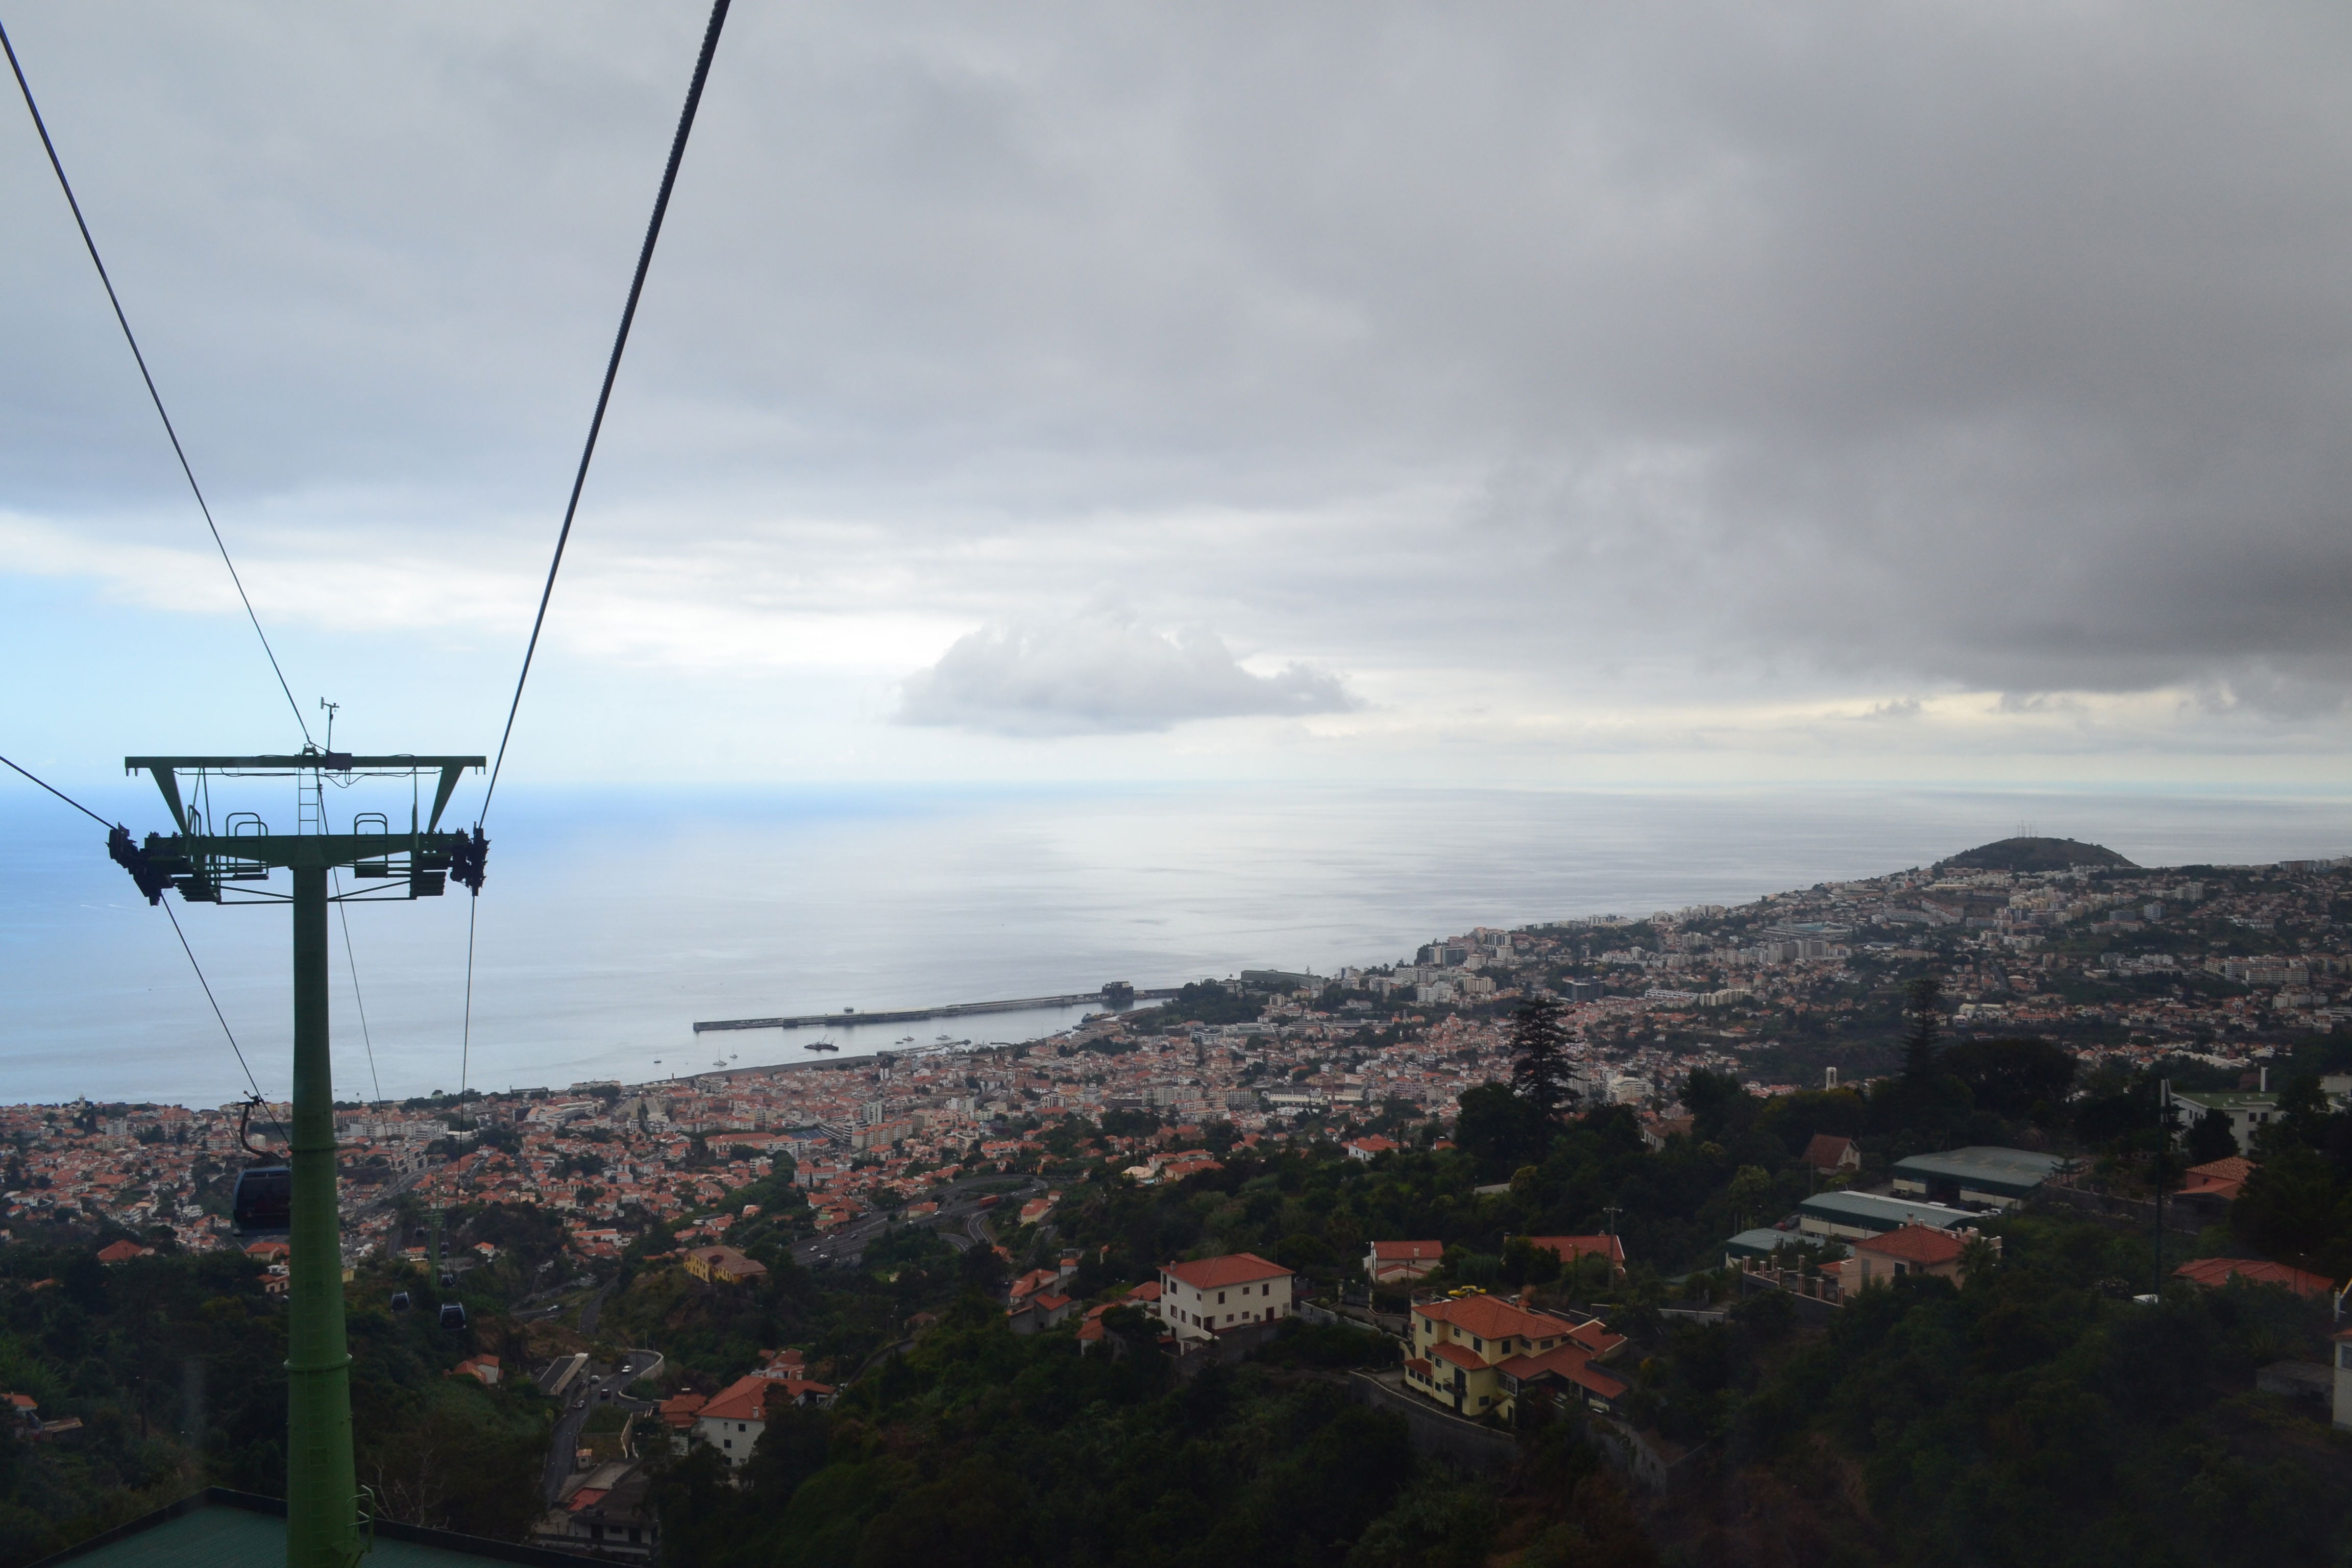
(2222, 1178)
(1037, 1279)
(1492, 1317)
(1569, 1249)
(1408, 1251)
(1595, 1337)
(1456, 1356)
(2217, 1271)
(1917, 1244)
(1570, 1362)
(745, 1399)
(1233, 1268)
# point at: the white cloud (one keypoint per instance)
(1103, 675)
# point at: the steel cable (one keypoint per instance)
(351, 962)
(587, 454)
(612, 370)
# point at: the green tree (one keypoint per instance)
(2209, 1138)
(2012, 1077)
(1539, 1067)
(2290, 1206)
(1751, 1186)
(1499, 1129)
(1923, 999)
(1720, 1109)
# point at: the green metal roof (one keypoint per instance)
(1765, 1242)
(222, 1529)
(1874, 1211)
(2012, 1173)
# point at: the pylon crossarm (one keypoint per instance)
(327, 761)
(209, 867)
(320, 850)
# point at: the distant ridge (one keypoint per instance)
(2034, 855)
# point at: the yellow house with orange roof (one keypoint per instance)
(1473, 1354)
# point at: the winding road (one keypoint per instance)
(580, 1402)
(846, 1247)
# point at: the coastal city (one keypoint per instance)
(1164, 787)
(2218, 967)
(1520, 1181)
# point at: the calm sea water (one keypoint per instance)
(613, 919)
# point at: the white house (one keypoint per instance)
(1387, 1262)
(1200, 1299)
(733, 1419)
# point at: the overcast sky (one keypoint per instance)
(1490, 394)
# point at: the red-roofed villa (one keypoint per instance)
(1390, 1262)
(1477, 1355)
(1208, 1296)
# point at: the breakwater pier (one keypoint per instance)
(1118, 994)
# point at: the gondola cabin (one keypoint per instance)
(400, 1302)
(264, 1203)
(453, 1315)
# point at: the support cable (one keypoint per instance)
(351, 960)
(612, 370)
(466, 1043)
(190, 952)
(209, 997)
(64, 797)
(154, 397)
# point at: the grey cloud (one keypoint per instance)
(2004, 346)
(1102, 675)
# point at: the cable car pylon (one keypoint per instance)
(207, 864)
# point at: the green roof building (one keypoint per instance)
(1858, 1217)
(1985, 1177)
(1765, 1241)
(223, 1529)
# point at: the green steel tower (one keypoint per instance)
(232, 859)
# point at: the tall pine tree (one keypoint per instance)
(1540, 1067)
(1923, 999)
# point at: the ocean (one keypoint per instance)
(612, 920)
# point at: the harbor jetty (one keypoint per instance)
(1116, 995)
